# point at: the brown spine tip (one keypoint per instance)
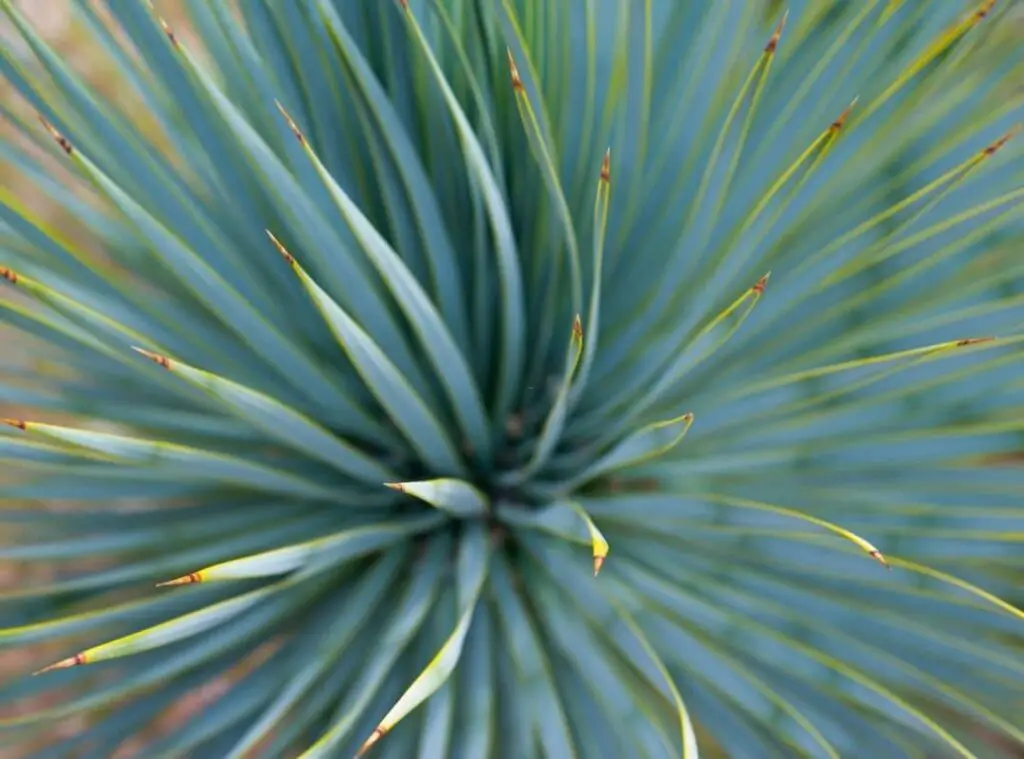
(688, 416)
(281, 249)
(291, 123)
(761, 284)
(16, 423)
(877, 556)
(841, 119)
(606, 167)
(377, 734)
(61, 140)
(777, 34)
(973, 341)
(984, 10)
(395, 486)
(168, 31)
(72, 661)
(995, 146)
(577, 328)
(517, 82)
(404, 4)
(189, 579)
(9, 274)
(598, 563)
(156, 358)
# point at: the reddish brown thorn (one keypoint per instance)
(606, 167)
(281, 249)
(61, 140)
(973, 341)
(189, 579)
(16, 423)
(378, 733)
(995, 146)
(841, 119)
(877, 556)
(517, 83)
(759, 289)
(9, 274)
(72, 661)
(291, 123)
(395, 486)
(168, 32)
(404, 4)
(777, 35)
(156, 358)
(984, 10)
(598, 563)
(577, 328)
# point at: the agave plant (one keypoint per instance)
(385, 326)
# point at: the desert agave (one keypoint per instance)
(384, 339)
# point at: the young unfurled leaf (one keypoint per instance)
(457, 497)
(565, 519)
(646, 443)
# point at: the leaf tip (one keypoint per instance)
(16, 423)
(842, 117)
(189, 579)
(973, 341)
(577, 328)
(773, 43)
(375, 736)
(994, 148)
(9, 274)
(517, 82)
(61, 140)
(606, 167)
(291, 122)
(72, 661)
(761, 284)
(288, 257)
(598, 563)
(156, 358)
(397, 486)
(877, 556)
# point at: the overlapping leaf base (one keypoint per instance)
(378, 349)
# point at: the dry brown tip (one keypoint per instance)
(9, 274)
(598, 563)
(395, 486)
(517, 82)
(16, 423)
(973, 341)
(606, 167)
(281, 249)
(877, 556)
(404, 4)
(156, 358)
(984, 10)
(192, 577)
(688, 416)
(61, 140)
(167, 31)
(995, 146)
(777, 34)
(841, 119)
(377, 734)
(71, 661)
(577, 328)
(291, 122)
(761, 284)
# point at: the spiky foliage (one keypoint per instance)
(373, 340)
